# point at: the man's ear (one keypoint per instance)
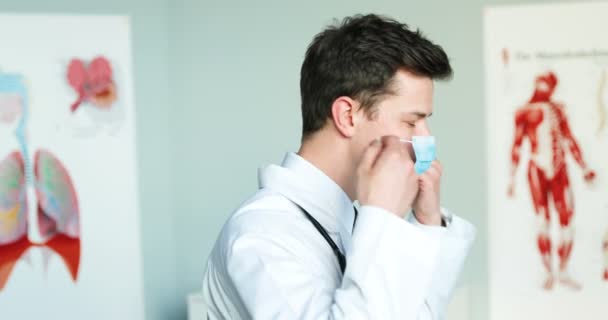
(343, 112)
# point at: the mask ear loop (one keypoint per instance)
(410, 142)
(402, 140)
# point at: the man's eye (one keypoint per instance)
(411, 124)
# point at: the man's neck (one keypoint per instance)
(332, 158)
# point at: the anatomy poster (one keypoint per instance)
(547, 138)
(69, 216)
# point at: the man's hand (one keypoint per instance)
(386, 177)
(427, 204)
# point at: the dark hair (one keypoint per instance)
(358, 58)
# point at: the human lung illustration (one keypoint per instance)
(38, 201)
(13, 207)
(45, 216)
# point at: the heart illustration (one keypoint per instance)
(93, 83)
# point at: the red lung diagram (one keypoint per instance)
(93, 83)
(44, 213)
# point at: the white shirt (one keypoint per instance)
(269, 262)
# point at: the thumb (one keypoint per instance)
(370, 155)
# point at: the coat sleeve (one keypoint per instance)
(388, 276)
(456, 241)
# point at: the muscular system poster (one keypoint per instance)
(546, 107)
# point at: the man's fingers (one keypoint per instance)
(393, 150)
(433, 171)
(437, 165)
(427, 180)
(370, 155)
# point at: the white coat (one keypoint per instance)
(269, 262)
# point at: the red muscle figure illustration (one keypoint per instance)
(543, 122)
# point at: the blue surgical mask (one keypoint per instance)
(424, 148)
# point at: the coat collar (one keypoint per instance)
(306, 185)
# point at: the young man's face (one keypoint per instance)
(403, 114)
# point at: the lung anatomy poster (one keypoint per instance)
(546, 86)
(69, 216)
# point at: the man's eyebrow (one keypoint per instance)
(420, 114)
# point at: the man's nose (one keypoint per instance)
(423, 128)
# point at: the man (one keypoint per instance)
(291, 252)
(544, 123)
